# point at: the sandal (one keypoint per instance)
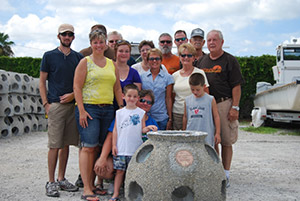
(114, 199)
(90, 197)
(99, 191)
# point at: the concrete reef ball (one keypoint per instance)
(175, 165)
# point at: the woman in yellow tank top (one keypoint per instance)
(96, 82)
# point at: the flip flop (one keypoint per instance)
(90, 197)
(99, 191)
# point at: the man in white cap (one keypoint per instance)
(58, 67)
(197, 40)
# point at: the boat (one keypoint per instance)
(280, 102)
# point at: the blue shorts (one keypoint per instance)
(121, 162)
(96, 132)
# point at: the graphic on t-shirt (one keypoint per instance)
(215, 69)
(197, 112)
(133, 120)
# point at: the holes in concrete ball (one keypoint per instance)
(8, 121)
(17, 108)
(4, 133)
(135, 191)
(32, 99)
(144, 153)
(182, 193)
(24, 88)
(26, 78)
(15, 130)
(1, 87)
(0, 98)
(29, 117)
(15, 86)
(7, 111)
(19, 98)
(3, 77)
(17, 77)
(26, 129)
(39, 109)
(212, 153)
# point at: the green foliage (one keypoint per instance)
(27, 65)
(5, 49)
(254, 69)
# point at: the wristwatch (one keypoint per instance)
(237, 108)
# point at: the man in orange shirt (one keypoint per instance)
(170, 60)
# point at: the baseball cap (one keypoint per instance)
(65, 27)
(99, 27)
(197, 32)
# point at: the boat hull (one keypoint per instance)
(282, 98)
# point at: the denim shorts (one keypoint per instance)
(96, 132)
(163, 124)
(121, 162)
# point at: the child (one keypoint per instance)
(201, 112)
(127, 134)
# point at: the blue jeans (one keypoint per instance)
(96, 132)
(162, 124)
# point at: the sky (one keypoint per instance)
(250, 27)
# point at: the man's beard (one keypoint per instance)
(166, 49)
(65, 44)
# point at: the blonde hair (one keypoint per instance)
(154, 51)
(187, 46)
(97, 34)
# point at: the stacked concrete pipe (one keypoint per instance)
(21, 109)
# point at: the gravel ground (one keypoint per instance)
(264, 167)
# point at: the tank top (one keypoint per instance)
(99, 83)
(200, 116)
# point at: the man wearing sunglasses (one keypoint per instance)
(170, 60)
(180, 38)
(109, 52)
(58, 67)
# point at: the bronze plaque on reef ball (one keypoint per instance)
(184, 158)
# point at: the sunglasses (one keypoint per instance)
(180, 39)
(145, 101)
(70, 34)
(165, 41)
(154, 59)
(113, 41)
(186, 55)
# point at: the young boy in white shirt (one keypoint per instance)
(127, 134)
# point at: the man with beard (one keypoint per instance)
(170, 60)
(58, 66)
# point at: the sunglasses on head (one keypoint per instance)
(70, 34)
(186, 55)
(145, 101)
(165, 41)
(122, 41)
(180, 39)
(154, 59)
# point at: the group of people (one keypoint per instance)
(102, 101)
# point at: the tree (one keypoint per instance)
(5, 49)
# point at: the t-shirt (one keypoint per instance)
(158, 86)
(172, 63)
(182, 89)
(200, 116)
(99, 83)
(60, 69)
(223, 74)
(149, 121)
(129, 130)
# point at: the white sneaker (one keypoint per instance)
(110, 189)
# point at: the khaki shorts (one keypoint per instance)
(177, 121)
(229, 130)
(62, 128)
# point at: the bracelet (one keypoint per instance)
(45, 104)
(170, 119)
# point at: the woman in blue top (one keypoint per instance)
(127, 74)
(161, 83)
